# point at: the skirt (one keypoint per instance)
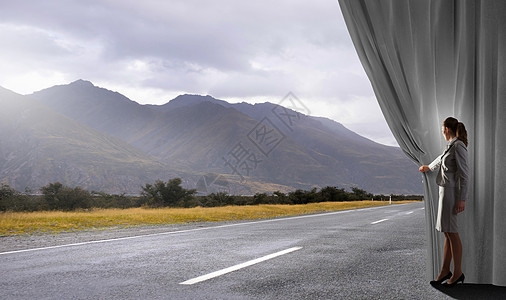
(446, 215)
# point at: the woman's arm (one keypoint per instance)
(432, 166)
(435, 163)
(462, 170)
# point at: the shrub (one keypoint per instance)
(168, 194)
(57, 196)
(7, 199)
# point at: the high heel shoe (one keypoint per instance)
(461, 278)
(435, 282)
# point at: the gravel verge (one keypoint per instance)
(40, 240)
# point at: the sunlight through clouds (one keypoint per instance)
(26, 83)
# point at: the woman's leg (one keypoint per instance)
(447, 258)
(456, 246)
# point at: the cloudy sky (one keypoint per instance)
(151, 51)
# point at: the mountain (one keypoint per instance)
(256, 147)
(39, 146)
(319, 151)
(101, 109)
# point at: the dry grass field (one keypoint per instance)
(16, 223)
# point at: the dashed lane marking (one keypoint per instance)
(195, 229)
(238, 267)
(382, 220)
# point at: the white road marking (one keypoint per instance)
(376, 222)
(409, 212)
(238, 267)
(195, 229)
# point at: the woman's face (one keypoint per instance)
(446, 133)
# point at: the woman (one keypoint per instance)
(452, 180)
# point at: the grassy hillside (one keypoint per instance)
(39, 146)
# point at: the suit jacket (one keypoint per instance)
(453, 169)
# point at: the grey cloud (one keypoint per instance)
(30, 46)
(194, 46)
(218, 34)
(254, 84)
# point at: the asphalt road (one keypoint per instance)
(376, 253)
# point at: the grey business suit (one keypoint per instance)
(452, 179)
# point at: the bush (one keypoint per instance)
(57, 196)
(60, 197)
(299, 197)
(216, 199)
(333, 194)
(104, 200)
(359, 194)
(168, 194)
(7, 197)
(12, 200)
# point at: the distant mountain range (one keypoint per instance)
(84, 135)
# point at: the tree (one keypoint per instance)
(223, 198)
(260, 198)
(58, 196)
(298, 197)
(281, 197)
(167, 194)
(333, 194)
(361, 194)
(6, 197)
(51, 192)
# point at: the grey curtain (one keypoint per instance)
(430, 59)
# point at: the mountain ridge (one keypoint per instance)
(200, 135)
(40, 146)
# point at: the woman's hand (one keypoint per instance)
(424, 168)
(461, 205)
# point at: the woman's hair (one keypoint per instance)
(457, 128)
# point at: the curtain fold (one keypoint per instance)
(428, 60)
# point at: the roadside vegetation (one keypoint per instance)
(56, 196)
(62, 208)
(18, 223)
